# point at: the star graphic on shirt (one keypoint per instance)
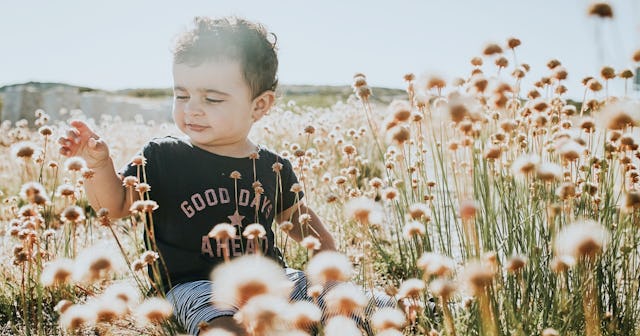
(236, 219)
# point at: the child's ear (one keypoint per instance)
(262, 104)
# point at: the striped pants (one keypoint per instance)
(192, 302)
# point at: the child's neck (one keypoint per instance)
(235, 150)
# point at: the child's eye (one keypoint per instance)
(213, 101)
(182, 97)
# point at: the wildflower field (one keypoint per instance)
(482, 206)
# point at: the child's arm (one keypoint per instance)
(104, 189)
(314, 227)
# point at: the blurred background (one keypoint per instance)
(114, 46)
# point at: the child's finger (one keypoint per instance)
(73, 135)
(65, 151)
(83, 128)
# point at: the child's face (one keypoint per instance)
(213, 104)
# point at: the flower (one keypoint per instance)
(435, 264)
(570, 150)
(236, 282)
(619, 115)
(75, 164)
(130, 181)
(491, 49)
(77, 316)
(303, 314)
(345, 299)
(141, 206)
(585, 238)
(443, 288)
(62, 306)
(513, 42)
(362, 209)
(388, 318)
(262, 314)
(65, 190)
(254, 230)
(418, 211)
(411, 288)
(138, 160)
(153, 310)
(277, 167)
(142, 187)
(24, 150)
(57, 272)
(601, 9)
(286, 226)
(477, 276)
(400, 109)
(124, 292)
(33, 192)
(515, 263)
(549, 172)
(341, 326)
(92, 264)
(103, 217)
(222, 232)
(329, 266)
(108, 309)
(468, 209)
(413, 229)
(525, 165)
(149, 257)
(631, 200)
(73, 214)
(310, 243)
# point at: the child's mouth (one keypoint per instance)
(196, 128)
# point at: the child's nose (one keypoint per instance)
(193, 107)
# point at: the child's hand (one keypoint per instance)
(84, 142)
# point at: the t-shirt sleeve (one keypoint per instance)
(289, 178)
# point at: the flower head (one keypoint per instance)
(254, 230)
(435, 264)
(263, 314)
(388, 318)
(57, 272)
(341, 326)
(75, 164)
(223, 232)
(73, 214)
(411, 288)
(236, 282)
(329, 266)
(24, 150)
(584, 238)
(153, 311)
(345, 299)
(362, 209)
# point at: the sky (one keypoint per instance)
(120, 44)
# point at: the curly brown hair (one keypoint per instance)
(232, 38)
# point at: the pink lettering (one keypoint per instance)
(198, 202)
(224, 195)
(187, 209)
(243, 198)
(205, 248)
(265, 202)
(210, 196)
(236, 249)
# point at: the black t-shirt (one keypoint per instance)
(194, 192)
